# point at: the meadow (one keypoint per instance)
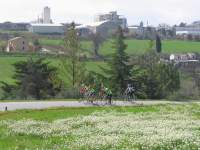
(136, 46)
(141, 127)
(7, 68)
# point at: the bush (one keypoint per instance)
(35, 79)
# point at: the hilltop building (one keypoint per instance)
(166, 31)
(105, 28)
(142, 32)
(47, 28)
(192, 29)
(18, 44)
(14, 26)
(113, 17)
(45, 17)
(45, 25)
(104, 24)
(149, 32)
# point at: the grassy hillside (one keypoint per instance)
(136, 46)
(140, 46)
(7, 69)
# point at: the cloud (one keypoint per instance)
(153, 11)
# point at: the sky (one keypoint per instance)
(83, 11)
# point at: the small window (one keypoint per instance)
(23, 42)
(23, 47)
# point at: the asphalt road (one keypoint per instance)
(48, 104)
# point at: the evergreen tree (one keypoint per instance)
(159, 79)
(158, 44)
(119, 72)
(150, 63)
(170, 78)
(34, 79)
(72, 65)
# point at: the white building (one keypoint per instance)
(188, 30)
(47, 28)
(136, 30)
(47, 15)
(193, 29)
(164, 26)
(105, 28)
(114, 17)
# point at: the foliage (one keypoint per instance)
(119, 72)
(34, 79)
(37, 44)
(72, 64)
(152, 77)
(3, 45)
(158, 44)
(138, 76)
(9, 91)
(97, 41)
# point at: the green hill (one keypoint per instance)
(136, 46)
(7, 69)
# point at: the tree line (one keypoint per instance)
(151, 77)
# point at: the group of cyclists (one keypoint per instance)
(92, 93)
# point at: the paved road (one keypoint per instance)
(46, 104)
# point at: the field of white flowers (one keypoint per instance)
(117, 130)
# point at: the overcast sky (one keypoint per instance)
(83, 11)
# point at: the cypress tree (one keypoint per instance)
(158, 44)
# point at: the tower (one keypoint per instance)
(47, 15)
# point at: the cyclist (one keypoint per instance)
(109, 95)
(129, 92)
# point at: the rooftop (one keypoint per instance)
(16, 38)
(47, 25)
(92, 24)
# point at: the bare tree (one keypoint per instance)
(72, 65)
(97, 41)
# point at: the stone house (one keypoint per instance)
(18, 44)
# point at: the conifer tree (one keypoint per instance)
(158, 44)
(119, 72)
(34, 79)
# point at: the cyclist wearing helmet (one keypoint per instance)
(108, 95)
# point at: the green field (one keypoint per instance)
(7, 69)
(137, 46)
(141, 127)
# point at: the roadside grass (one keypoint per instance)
(102, 128)
(61, 113)
(22, 142)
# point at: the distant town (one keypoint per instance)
(104, 23)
